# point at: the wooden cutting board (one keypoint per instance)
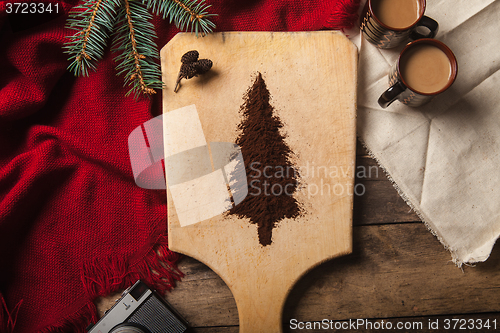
(311, 78)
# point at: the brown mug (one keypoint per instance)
(424, 69)
(389, 23)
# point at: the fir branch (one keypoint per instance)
(186, 14)
(134, 39)
(92, 20)
(134, 36)
(86, 33)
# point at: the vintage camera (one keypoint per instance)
(140, 310)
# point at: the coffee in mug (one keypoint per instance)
(389, 23)
(398, 14)
(424, 69)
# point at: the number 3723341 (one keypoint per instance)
(470, 324)
(31, 8)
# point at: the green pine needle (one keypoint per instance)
(138, 52)
(186, 14)
(133, 36)
(93, 21)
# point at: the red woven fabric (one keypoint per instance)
(73, 224)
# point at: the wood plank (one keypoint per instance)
(368, 169)
(360, 149)
(378, 202)
(202, 298)
(396, 270)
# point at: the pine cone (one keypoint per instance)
(203, 65)
(189, 57)
(188, 70)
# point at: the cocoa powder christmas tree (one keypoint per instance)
(271, 177)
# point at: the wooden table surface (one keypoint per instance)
(398, 272)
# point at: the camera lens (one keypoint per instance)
(129, 328)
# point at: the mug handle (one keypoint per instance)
(428, 23)
(391, 94)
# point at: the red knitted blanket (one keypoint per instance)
(73, 224)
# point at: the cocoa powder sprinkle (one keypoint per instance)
(271, 177)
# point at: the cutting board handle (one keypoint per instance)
(260, 309)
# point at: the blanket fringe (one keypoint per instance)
(8, 318)
(103, 276)
(343, 14)
(77, 322)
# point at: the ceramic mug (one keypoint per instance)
(389, 23)
(425, 68)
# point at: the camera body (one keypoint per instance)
(140, 310)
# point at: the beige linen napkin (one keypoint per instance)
(444, 157)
